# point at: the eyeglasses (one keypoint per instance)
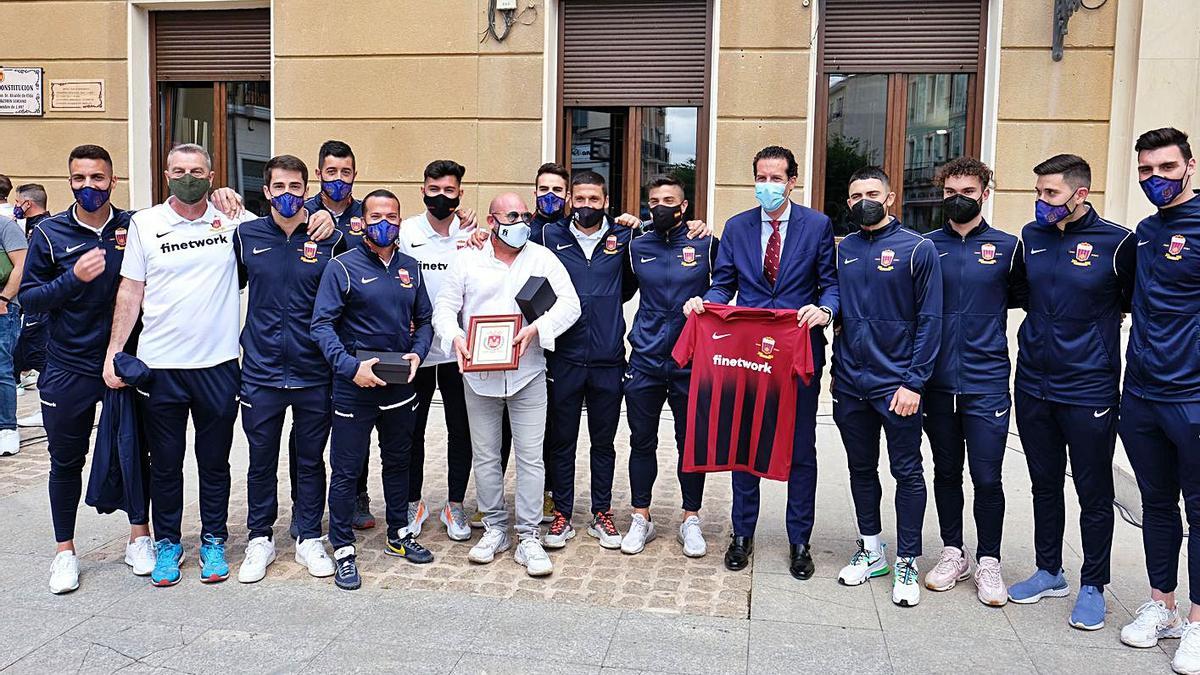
(513, 217)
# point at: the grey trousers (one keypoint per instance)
(527, 415)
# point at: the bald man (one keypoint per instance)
(483, 282)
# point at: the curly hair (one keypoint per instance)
(964, 166)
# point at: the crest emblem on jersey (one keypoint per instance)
(310, 252)
(766, 347)
(886, 257)
(460, 244)
(987, 254)
(356, 226)
(1083, 251)
(1175, 248)
(689, 256)
(122, 236)
(610, 244)
(405, 279)
(217, 225)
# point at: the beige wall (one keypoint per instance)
(1048, 107)
(405, 82)
(762, 94)
(69, 39)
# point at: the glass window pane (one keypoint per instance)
(248, 140)
(854, 138)
(193, 116)
(669, 149)
(936, 131)
(598, 144)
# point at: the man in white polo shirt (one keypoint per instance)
(179, 271)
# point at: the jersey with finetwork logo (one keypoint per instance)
(434, 252)
(742, 400)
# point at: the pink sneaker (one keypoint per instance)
(952, 567)
(989, 582)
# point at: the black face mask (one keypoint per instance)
(961, 208)
(867, 212)
(586, 217)
(664, 217)
(441, 206)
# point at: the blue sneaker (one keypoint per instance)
(1041, 585)
(167, 559)
(1089, 609)
(213, 567)
(346, 575)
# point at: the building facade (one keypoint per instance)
(631, 88)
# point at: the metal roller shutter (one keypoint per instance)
(902, 36)
(221, 45)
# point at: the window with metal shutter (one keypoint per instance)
(902, 36)
(634, 52)
(221, 45)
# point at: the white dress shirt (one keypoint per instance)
(434, 252)
(478, 284)
(767, 230)
(588, 242)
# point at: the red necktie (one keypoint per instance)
(771, 259)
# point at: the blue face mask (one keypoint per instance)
(1161, 190)
(18, 213)
(769, 195)
(90, 198)
(337, 190)
(551, 205)
(287, 204)
(383, 233)
(1048, 214)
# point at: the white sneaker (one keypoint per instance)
(1153, 622)
(417, 515)
(34, 420)
(311, 554)
(692, 538)
(906, 583)
(10, 442)
(641, 532)
(260, 553)
(493, 541)
(1187, 656)
(139, 554)
(455, 520)
(863, 565)
(531, 554)
(64, 573)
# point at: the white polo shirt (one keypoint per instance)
(190, 311)
(434, 252)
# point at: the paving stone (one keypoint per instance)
(356, 656)
(25, 630)
(480, 664)
(789, 648)
(700, 644)
(954, 656)
(779, 597)
(1069, 659)
(222, 650)
(580, 634)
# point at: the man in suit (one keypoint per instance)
(781, 256)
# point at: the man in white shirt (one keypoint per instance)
(482, 282)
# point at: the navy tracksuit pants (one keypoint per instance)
(263, 410)
(1050, 432)
(645, 395)
(1163, 443)
(802, 481)
(859, 422)
(209, 395)
(69, 413)
(970, 428)
(353, 422)
(30, 353)
(445, 378)
(600, 388)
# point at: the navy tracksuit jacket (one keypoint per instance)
(80, 321)
(669, 271)
(1160, 410)
(966, 403)
(282, 368)
(807, 276)
(1068, 366)
(363, 304)
(350, 223)
(891, 294)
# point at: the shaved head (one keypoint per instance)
(507, 201)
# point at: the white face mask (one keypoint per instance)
(515, 235)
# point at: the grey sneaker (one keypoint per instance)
(603, 528)
(417, 515)
(560, 532)
(641, 532)
(455, 520)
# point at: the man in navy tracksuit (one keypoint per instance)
(891, 293)
(1160, 409)
(967, 403)
(372, 298)
(780, 256)
(283, 368)
(588, 360)
(1080, 269)
(71, 273)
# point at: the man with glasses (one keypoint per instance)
(482, 282)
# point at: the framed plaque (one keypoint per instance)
(492, 342)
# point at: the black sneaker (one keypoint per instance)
(410, 549)
(346, 573)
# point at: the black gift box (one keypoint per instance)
(536, 298)
(392, 368)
